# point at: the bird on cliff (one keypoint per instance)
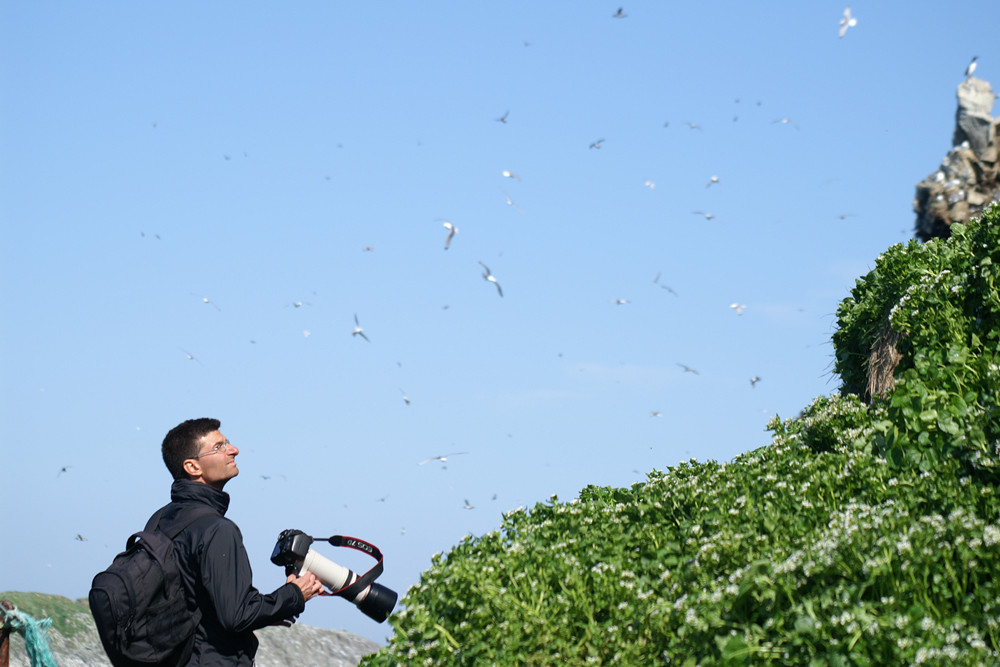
(847, 21)
(971, 68)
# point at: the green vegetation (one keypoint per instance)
(68, 617)
(866, 533)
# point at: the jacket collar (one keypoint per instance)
(186, 490)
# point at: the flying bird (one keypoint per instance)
(708, 216)
(655, 413)
(694, 126)
(406, 399)
(489, 277)
(468, 506)
(442, 458)
(847, 21)
(687, 369)
(510, 202)
(738, 307)
(452, 230)
(753, 381)
(63, 469)
(503, 118)
(190, 356)
(597, 144)
(650, 184)
(80, 538)
(358, 331)
(208, 301)
(510, 174)
(785, 121)
(712, 181)
(620, 14)
(619, 302)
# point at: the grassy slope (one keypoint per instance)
(864, 534)
(68, 617)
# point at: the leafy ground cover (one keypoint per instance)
(866, 533)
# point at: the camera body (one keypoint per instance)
(294, 551)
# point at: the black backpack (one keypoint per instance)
(139, 603)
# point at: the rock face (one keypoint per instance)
(966, 182)
(300, 645)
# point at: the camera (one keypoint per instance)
(293, 551)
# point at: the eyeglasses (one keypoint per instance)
(221, 447)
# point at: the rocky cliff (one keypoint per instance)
(74, 642)
(966, 182)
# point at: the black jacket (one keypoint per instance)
(215, 567)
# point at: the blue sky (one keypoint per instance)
(258, 156)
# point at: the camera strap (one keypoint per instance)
(350, 591)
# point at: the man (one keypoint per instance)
(211, 555)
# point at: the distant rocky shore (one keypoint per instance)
(74, 642)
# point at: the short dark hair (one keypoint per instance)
(181, 443)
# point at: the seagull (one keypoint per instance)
(669, 289)
(63, 469)
(367, 248)
(468, 506)
(597, 144)
(406, 399)
(712, 181)
(452, 230)
(510, 174)
(620, 14)
(655, 413)
(190, 356)
(503, 118)
(971, 68)
(650, 184)
(708, 216)
(488, 276)
(358, 331)
(785, 121)
(206, 300)
(687, 369)
(619, 302)
(442, 458)
(847, 21)
(80, 538)
(694, 126)
(753, 381)
(738, 307)
(510, 202)
(299, 304)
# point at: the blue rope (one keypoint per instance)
(35, 633)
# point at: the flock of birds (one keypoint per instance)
(847, 21)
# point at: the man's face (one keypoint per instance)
(217, 459)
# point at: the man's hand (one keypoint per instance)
(307, 583)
